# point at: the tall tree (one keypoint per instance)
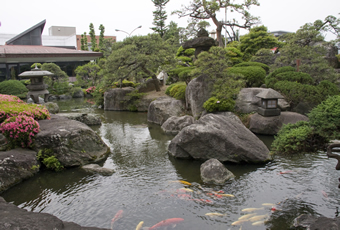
(159, 17)
(101, 36)
(93, 37)
(82, 44)
(139, 57)
(203, 9)
(86, 47)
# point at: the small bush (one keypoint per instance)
(281, 70)
(325, 118)
(253, 75)
(13, 87)
(125, 83)
(258, 64)
(214, 105)
(178, 92)
(50, 161)
(297, 138)
(20, 131)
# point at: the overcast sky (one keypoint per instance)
(18, 15)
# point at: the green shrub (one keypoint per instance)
(327, 88)
(133, 101)
(125, 83)
(178, 91)
(299, 77)
(325, 118)
(180, 73)
(245, 64)
(297, 138)
(214, 105)
(234, 55)
(74, 90)
(265, 56)
(50, 161)
(13, 87)
(253, 75)
(281, 70)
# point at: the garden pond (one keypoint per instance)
(146, 184)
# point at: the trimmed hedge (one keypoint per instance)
(177, 91)
(299, 77)
(253, 75)
(245, 64)
(213, 104)
(13, 87)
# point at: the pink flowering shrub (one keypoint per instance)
(20, 130)
(91, 89)
(11, 106)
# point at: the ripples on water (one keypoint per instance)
(143, 185)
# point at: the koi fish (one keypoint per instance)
(118, 215)
(238, 222)
(214, 214)
(186, 190)
(167, 222)
(246, 217)
(251, 209)
(324, 194)
(182, 181)
(139, 226)
(268, 204)
(258, 218)
(227, 195)
(257, 223)
(285, 172)
(183, 196)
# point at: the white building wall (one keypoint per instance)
(59, 40)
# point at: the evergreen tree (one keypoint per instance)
(101, 36)
(86, 47)
(82, 40)
(159, 17)
(93, 37)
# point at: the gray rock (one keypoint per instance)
(64, 97)
(164, 107)
(219, 137)
(143, 104)
(15, 166)
(3, 142)
(213, 171)
(148, 86)
(197, 92)
(78, 94)
(175, 124)
(94, 168)
(271, 125)
(72, 142)
(13, 217)
(52, 107)
(316, 223)
(88, 119)
(41, 101)
(117, 99)
(247, 102)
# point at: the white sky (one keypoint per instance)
(18, 15)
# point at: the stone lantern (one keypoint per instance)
(269, 103)
(37, 86)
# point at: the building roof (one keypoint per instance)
(40, 24)
(28, 53)
(269, 94)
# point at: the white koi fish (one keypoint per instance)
(251, 209)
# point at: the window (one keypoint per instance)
(271, 104)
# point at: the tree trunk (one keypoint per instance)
(218, 31)
(154, 77)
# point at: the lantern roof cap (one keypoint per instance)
(269, 94)
(36, 72)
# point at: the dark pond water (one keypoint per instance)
(145, 185)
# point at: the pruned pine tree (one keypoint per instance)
(160, 17)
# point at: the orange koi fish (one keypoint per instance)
(167, 222)
(118, 215)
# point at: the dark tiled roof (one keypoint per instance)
(40, 24)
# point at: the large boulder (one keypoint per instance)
(88, 119)
(164, 107)
(220, 137)
(213, 171)
(117, 99)
(71, 142)
(148, 86)
(271, 125)
(175, 124)
(197, 92)
(247, 102)
(13, 217)
(15, 166)
(78, 93)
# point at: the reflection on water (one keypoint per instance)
(145, 185)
